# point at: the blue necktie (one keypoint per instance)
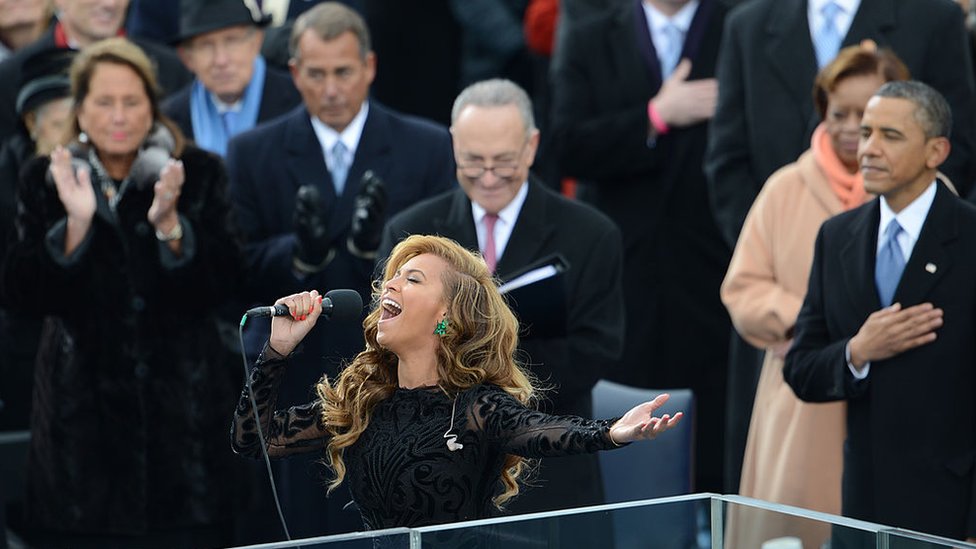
(672, 51)
(338, 167)
(890, 264)
(229, 118)
(827, 40)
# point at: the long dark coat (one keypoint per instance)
(133, 388)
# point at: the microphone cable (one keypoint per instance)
(257, 419)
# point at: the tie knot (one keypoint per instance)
(339, 149)
(830, 10)
(893, 230)
(490, 220)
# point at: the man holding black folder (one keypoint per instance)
(561, 260)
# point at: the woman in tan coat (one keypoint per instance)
(794, 450)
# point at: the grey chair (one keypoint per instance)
(650, 469)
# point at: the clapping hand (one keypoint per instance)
(367, 218)
(166, 194)
(288, 331)
(74, 188)
(640, 424)
(311, 224)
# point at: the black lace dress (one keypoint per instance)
(400, 472)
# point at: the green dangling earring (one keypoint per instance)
(441, 328)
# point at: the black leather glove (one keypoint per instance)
(312, 246)
(368, 217)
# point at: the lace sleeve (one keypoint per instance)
(533, 434)
(292, 431)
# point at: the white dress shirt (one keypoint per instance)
(656, 21)
(505, 224)
(911, 218)
(350, 136)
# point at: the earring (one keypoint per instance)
(441, 328)
(452, 443)
(82, 137)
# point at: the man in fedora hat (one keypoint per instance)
(234, 89)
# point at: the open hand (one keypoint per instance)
(681, 102)
(288, 331)
(166, 193)
(640, 424)
(74, 190)
(893, 330)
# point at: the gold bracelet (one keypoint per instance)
(610, 436)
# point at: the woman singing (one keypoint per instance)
(431, 423)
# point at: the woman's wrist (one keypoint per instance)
(167, 227)
(614, 441)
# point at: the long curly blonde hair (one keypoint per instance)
(479, 347)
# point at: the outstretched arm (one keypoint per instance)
(533, 434)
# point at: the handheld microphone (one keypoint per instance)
(339, 305)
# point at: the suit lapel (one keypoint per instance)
(858, 258)
(459, 222)
(645, 45)
(305, 161)
(930, 259)
(531, 234)
(872, 20)
(789, 51)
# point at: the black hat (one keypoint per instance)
(43, 78)
(201, 16)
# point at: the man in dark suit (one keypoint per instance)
(573, 322)
(631, 122)
(295, 184)
(81, 23)
(765, 114)
(888, 324)
(234, 89)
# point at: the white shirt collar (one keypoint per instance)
(509, 213)
(911, 219)
(350, 136)
(657, 20)
(226, 107)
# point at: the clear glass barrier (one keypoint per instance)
(665, 522)
(903, 539)
(393, 538)
(697, 521)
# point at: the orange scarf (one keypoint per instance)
(848, 187)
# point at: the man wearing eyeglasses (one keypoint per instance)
(234, 89)
(573, 322)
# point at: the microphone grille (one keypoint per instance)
(347, 305)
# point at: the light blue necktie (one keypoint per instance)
(890, 264)
(338, 167)
(229, 119)
(672, 51)
(827, 40)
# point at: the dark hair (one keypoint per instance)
(931, 109)
(856, 61)
(330, 20)
(118, 51)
